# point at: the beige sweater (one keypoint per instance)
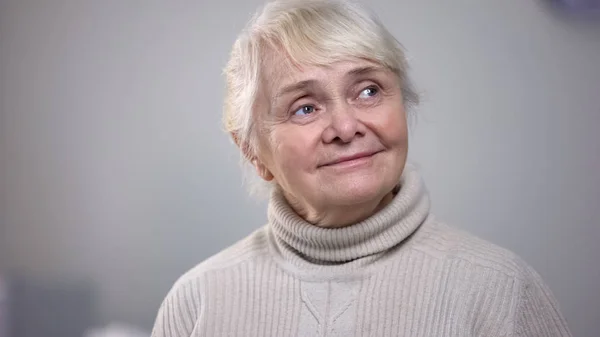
(399, 273)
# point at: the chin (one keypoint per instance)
(359, 191)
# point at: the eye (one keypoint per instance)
(368, 92)
(304, 110)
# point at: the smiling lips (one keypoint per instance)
(355, 158)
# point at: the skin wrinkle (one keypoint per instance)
(343, 123)
(399, 257)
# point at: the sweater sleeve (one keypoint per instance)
(179, 311)
(538, 313)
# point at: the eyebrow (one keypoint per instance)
(303, 85)
(298, 86)
(366, 70)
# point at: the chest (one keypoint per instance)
(395, 302)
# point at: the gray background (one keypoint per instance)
(114, 166)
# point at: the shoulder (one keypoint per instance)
(253, 246)
(450, 243)
(181, 308)
(524, 301)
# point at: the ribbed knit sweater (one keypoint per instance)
(400, 272)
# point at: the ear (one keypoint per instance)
(243, 147)
(261, 168)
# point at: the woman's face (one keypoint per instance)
(332, 136)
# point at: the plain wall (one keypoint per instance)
(114, 166)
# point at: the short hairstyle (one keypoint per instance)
(309, 32)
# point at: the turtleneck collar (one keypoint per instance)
(382, 231)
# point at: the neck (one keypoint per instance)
(301, 242)
(341, 216)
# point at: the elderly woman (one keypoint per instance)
(317, 101)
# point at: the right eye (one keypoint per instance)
(304, 110)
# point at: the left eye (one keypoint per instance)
(304, 110)
(368, 92)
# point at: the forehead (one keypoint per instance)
(280, 73)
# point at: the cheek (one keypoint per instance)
(294, 148)
(391, 126)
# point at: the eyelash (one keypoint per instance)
(373, 87)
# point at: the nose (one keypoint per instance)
(343, 124)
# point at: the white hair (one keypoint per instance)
(309, 32)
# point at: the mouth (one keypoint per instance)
(355, 158)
